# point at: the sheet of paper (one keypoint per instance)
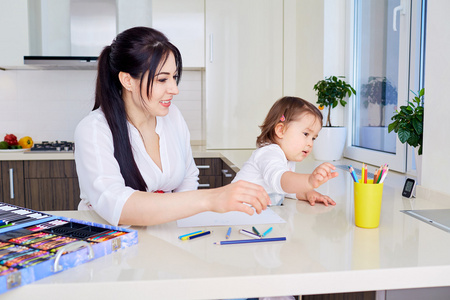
(268, 216)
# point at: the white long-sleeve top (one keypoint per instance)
(265, 167)
(102, 186)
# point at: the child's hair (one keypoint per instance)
(285, 110)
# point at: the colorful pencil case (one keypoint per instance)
(35, 245)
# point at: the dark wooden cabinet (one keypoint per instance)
(343, 296)
(41, 185)
(209, 176)
(214, 172)
(228, 173)
(12, 190)
(51, 184)
(46, 185)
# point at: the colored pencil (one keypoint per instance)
(230, 242)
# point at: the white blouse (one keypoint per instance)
(265, 167)
(102, 186)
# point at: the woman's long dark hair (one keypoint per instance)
(135, 51)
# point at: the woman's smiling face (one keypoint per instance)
(163, 88)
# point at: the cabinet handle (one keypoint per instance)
(225, 173)
(11, 183)
(204, 185)
(203, 167)
(211, 44)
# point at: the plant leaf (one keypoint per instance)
(403, 135)
(421, 92)
(418, 126)
(393, 126)
(413, 140)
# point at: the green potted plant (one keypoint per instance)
(331, 92)
(408, 125)
(408, 122)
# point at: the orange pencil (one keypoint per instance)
(375, 176)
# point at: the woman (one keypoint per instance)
(135, 141)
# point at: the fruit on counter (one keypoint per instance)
(5, 145)
(26, 142)
(10, 142)
(11, 139)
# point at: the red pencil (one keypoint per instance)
(365, 173)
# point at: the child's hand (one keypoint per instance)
(322, 174)
(313, 196)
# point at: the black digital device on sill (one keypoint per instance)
(408, 188)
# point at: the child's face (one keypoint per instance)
(297, 138)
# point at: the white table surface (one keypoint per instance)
(324, 253)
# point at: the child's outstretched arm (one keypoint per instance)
(303, 185)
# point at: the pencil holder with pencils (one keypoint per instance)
(367, 202)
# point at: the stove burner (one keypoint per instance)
(53, 146)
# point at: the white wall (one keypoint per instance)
(334, 50)
(309, 48)
(436, 146)
(47, 104)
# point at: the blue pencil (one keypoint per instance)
(267, 232)
(228, 233)
(191, 237)
(352, 172)
(250, 241)
(192, 233)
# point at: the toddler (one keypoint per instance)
(287, 136)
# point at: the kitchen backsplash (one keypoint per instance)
(48, 104)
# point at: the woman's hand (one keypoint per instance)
(322, 174)
(241, 196)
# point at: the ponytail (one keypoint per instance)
(108, 96)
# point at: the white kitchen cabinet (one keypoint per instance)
(44, 27)
(14, 42)
(133, 13)
(244, 69)
(183, 22)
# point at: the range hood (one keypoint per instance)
(70, 34)
(61, 62)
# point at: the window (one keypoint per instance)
(388, 40)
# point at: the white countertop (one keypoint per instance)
(239, 156)
(324, 253)
(36, 155)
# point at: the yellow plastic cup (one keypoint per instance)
(367, 197)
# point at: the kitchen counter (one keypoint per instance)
(234, 158)
(324, 253)
(36, 155)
